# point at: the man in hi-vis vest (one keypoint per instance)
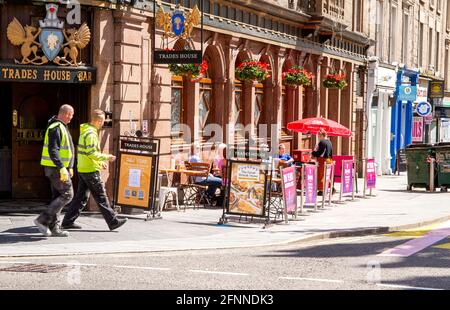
(58, 156)
(90, 160)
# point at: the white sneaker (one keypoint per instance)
(42, 228)
(58, 232)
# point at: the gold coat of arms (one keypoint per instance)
(177, 25)
(53, 39)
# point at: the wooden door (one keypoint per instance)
(34, 107)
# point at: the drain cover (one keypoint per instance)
(34, 268)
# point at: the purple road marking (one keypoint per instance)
(416, 245)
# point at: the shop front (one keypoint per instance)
(380, 117)
(36, 78)
(442, 113)
(402, 111)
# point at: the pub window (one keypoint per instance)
(231, 13)
(259, 103)
(216, 9)
(254, 20)
(262, 22)
(359, 87)
(176, 106)
(268, 23)
(282, 28)
(206, 6)
(238, 110)
(275, 26)
(239, 15)
(187, 3)
(246, 18)
(205, 103)
(224, 11)
(197, 3)
(283, 111)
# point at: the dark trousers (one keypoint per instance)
(213, 184)
(90, 183)
(62, 194)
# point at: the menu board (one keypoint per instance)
(247, 191)
(134, 180)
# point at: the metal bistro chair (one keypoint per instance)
(166, 191)
(276, 195)
(195, 194)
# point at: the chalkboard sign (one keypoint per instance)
(401, 161)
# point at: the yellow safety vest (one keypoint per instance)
(65, 153)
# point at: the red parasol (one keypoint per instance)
(314, 124)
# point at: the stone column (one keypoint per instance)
(324, 70)
(277, 111)
(219, 107)
(248, 95)
(102, 93)
(231, 51)
(346, 109)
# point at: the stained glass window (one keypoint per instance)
(176, 107)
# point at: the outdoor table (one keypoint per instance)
(185, 171)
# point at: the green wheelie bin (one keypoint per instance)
(442, 151)
(418, 167)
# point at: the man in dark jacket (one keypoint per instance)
(323, 152)
(58, 156)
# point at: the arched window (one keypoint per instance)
(176, 106)
(205, 105)
(238, 110)
(258, 107)
(177, 111)
(206, 99)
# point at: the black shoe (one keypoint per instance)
(117, 224)
(70, 226)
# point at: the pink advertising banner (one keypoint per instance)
(347, 173)
(310, 184)
(289, 187)
(417, 129)
(328, 173)
(371, 176)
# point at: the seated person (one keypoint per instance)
(285, 159)
(212, 182)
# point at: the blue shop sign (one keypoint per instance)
(423, 109)
(407, 93)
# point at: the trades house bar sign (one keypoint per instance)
(56, 45)
(177, 25)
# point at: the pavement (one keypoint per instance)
(392, 209)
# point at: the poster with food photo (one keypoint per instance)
(246, 195)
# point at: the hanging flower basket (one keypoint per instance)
(335, 80)
(195, 72)
(297, 76)
(252, 71)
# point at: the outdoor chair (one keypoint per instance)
(195, 194)
(276, 201)
(166, 191)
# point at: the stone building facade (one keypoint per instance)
(411, 44)
(321, 35)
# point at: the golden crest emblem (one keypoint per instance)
(25, 37)
(177, 24)
(51, 40)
